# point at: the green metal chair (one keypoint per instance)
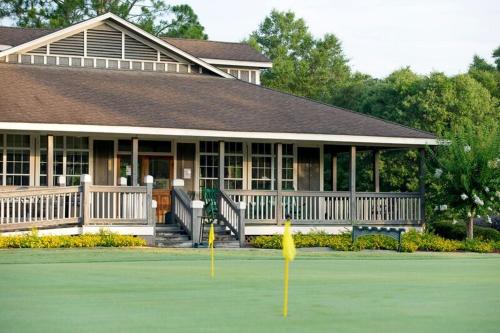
(210, 198)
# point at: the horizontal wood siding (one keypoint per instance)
(72, 45)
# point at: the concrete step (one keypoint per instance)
(169, 234)
(178, 238)
(170, 228)
(174, 244)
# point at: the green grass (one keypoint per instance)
(151, 290)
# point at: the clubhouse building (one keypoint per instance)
(105, 125)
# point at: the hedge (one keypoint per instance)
(412, 241)
(458, 231)
(102, 239)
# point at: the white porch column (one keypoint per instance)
(279, 183)
(334, 171)
(221, 165)
(50, 160)
(135, 161)
(376, 169)
(352, 183)
(421, 183)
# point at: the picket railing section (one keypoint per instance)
(401, 208)
(35, 206)
(181, 209)
(126, 204)
(316, 207)
(329, 207)
(188, 213)
(233, 216)
(26, 208)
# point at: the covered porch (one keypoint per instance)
(42, 181)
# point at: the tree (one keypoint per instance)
(467, 174)
(154, 16)
(487, 74)
(302, 64)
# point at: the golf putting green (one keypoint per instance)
(161, 290)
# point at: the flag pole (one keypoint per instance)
(289, 254)
(285, 301)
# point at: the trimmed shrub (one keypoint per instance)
(412, 241)
(478, 246)
(458, 231)
(375, 242)
(102, 239)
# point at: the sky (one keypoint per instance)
(378, 36)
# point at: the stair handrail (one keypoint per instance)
(233, 215)
(186, 212)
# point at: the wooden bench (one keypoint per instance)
(395, 233)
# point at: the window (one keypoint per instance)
(15, 160)
(209, 164)
(71, 159)
(262, 166)
(233, 165)
(287, 167)
(148, 146)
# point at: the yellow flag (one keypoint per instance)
(211, 236)
(288, 244)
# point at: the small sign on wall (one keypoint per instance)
(187, 173)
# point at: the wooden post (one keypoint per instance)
(279, 183)
(196, 213)
(135, 161)
(352, 184)
(376, 169)
(221, 165)
(85, 184)
(421, 183)
(334, 172)
(241, 222)
(148, 181)
(50, 160)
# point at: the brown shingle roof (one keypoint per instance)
(14, 36)
(38, 94)
(217, 50)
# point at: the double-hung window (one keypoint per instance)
(262, 166)
(287, 167)
(209, 164)
(233, 165)
(15, 159)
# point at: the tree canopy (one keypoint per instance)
(302, 65)
(154, 16)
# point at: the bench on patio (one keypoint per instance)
(395, 233)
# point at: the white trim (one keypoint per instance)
(94, 229)
(332, 230)
(238, 63)
(96, 20)
(131, 130)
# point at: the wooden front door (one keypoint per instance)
(104, 162)
(308, 169)
(161, 168)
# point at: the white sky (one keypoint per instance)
(378, 36)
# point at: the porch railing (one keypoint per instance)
(233, 216)
(319, 208)
(389, 207)
(38, 207)
(187, 212)
(87, 204)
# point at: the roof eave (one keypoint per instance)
(242, 63)
(186, 132)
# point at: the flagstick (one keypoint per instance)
(285, 302)
(212, 268)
